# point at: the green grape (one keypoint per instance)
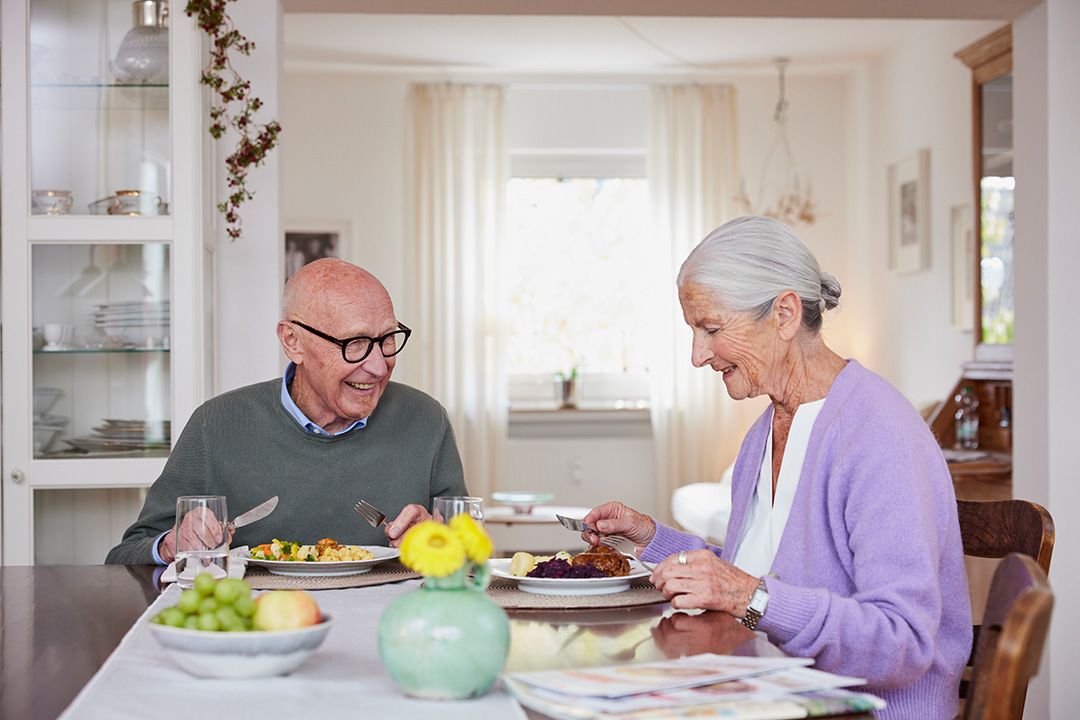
(157, 619)
(205, 584)
(189, 601)
(191, 622)
(208, 621)
(245, 606)
(230, 590)
(173, 617)
(227, 616)
(207, 605)
(249, 623)
(236, 625)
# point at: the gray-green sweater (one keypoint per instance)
(245, 446)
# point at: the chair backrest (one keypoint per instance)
(995, 529)
(1011, 642)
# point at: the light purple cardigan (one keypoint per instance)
(869, 576)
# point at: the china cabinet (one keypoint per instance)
(105, 272)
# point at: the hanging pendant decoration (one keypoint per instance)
(781, 193)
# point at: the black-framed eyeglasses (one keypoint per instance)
(355, 349)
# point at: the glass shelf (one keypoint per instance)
(97, 85)
(99, 351)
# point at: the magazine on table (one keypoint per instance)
(748, 707)
(639, 678)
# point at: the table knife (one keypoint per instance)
(256, 513)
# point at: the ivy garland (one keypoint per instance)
(234, 107)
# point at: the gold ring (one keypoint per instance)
(682, 557)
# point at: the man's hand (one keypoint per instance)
(200, 529)
(410, 515)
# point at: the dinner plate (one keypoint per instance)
(522, 501)
(568, 586)
(301, 568)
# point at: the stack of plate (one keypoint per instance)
(125, 435)
(138, 323)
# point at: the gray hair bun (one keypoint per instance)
(830, 292)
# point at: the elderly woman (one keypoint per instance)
(843, 543)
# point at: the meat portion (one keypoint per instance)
(326, 543)
(607, 560)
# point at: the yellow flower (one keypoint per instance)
(432, 549)
(476, 541)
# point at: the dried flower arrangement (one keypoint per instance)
(234, 106)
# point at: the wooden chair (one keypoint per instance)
(1011, 642)
(995, 529)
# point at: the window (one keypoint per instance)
(575, 278)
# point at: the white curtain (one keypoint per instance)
(458, 172)
(693, 179)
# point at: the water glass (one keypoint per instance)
(451, 505)
(202, 543)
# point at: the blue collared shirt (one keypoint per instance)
(298, 415)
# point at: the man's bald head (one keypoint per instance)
(326, 283)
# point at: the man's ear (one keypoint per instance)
(787, 309)
(290, 341)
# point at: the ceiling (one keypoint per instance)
(593, 44)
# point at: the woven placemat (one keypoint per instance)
(507, 596)
(388, 572)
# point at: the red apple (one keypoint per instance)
(285, 610)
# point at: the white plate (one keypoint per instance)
(568, 586)
(301, 568)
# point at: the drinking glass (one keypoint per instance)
(202, 543)
(451, 505)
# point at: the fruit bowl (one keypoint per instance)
(258, 653)
(522, 501)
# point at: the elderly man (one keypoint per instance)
(333, 430)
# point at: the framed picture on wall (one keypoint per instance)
(909, 213)
(308, 240)
(963, 266)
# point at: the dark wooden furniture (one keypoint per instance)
(58, 624)
(990, 61)
(1010, 645)
(996, 529)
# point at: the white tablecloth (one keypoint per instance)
(343, 679)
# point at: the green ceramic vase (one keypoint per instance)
(446, 640)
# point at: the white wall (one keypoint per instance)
(917, 96)
(1046, 455)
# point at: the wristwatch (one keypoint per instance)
(756, 608)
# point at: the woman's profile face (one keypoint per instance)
(744, 350)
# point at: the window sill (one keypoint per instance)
(608, 419)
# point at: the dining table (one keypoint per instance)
(59, 624)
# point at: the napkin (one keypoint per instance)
(236, 564)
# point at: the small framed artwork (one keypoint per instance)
(306, 241)
(963, 266)
(909, 213)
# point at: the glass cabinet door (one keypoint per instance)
(99, 107)
(101, 341)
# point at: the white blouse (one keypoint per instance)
(766, 519)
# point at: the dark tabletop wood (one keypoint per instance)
(58, 624)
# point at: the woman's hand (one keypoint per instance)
(614, 518)
(681, 635)
(704, 581)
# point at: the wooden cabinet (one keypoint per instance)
(104, 265)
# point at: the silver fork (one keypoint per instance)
(373, 515)
(626, 546)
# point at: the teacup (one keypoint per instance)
(50, 202)
(58, 335)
